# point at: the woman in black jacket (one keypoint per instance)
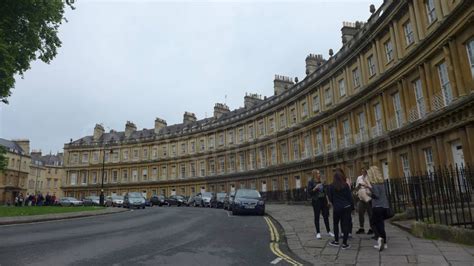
(340, 196)
(317, 192)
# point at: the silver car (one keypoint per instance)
(114, 201)
(206, 198)
(70, 201)
(134, 199)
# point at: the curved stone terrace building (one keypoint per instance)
(398, 94)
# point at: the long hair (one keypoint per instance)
(339, 180)
(375, 176)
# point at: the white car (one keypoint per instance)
(70, 201)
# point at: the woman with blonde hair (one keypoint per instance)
(380, 206)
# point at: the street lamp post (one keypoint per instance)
(101, 199)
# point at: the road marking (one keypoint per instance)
(274, 247)
(275, 261)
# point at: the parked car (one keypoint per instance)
(69, 201)
(158, 200)
(114, 201)
(177, 200)
(91, 201)
(248, 201)
(218, 200)
(206, 199)
(134, 199)
(195, 200)
(228, 201)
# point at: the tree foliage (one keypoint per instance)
(28, 31)
(3, 159)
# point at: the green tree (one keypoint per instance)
(3, 159)
(28, 31)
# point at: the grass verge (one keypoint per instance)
(6, 211)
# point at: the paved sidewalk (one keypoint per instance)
(57, 216)
(403, 248)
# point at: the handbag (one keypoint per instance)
(364, 194)
(389, 213)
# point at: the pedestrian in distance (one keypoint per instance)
(340, 196)
(380, 206)
(317, 190)
(364, 204)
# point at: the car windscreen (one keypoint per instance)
(135, 195)
(207, 194)
(94, 198)
(117, 197)
(221, 195)
(253, 194)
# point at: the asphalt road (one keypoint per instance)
(154, 236)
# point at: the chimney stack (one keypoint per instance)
(159, 124)
(24, 145)
(98, 131)
(313, 62)
(281, 83)
(349, 30)
(251, 100)
(220, 109)
(129, 129)
(189, 117)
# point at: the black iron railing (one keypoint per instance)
(444, 196)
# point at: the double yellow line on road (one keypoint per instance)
(274, 247)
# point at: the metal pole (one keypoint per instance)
(101, 200)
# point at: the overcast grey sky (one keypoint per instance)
(137, 60)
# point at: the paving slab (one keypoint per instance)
(403, 248)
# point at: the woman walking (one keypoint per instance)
(380, 206)
(340, 196)
(317, 191)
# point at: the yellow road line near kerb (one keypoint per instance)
(274, 247)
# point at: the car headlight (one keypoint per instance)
(261, 202)
(237, 202)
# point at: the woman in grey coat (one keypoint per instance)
(380, 206)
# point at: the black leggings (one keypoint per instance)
(320, 206)
(378, 222)
(344, 217)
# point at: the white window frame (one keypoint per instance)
(445, 83)
(328, 96)
(409, 34)
(378, 118)
(319, 142)
(388, 50)
(362, 126)
(347, 132)
(428, 152)
(316, 103)
(342, 88)
(430, 11)
(332, 137)
(356, 77)
(470, 54)
(371, 65)
(420, 101)
(405, 165)
(397, 107)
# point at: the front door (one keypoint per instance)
(458, 155)
(458, 160)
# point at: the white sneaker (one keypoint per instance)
(318, 236)
(380, 243)
(331, 234)
(385, 246)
